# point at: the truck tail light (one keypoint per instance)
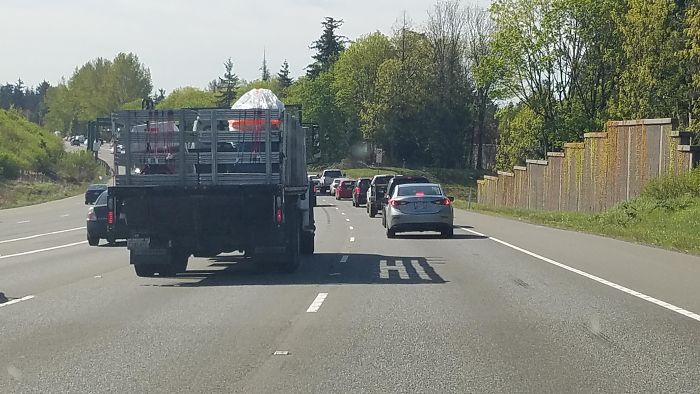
(91, 215)
(357, 190)
(110, 217)
(278, 216)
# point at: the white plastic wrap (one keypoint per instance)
(259, 99)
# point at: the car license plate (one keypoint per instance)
(420, 205)
(138, 243)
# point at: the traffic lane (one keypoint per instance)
(221, 319)
(42, 218)
(38, 243)
(487, 318)
(662, 274)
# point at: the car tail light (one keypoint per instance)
(444, 201)
(396, 203)
(91, 215)
(278, 216)
(110, 217)
(357, 190)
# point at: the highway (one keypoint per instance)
(505, 306)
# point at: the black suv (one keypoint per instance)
(377, 188)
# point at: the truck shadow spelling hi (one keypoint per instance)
(321, 268)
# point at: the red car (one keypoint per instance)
(344, 189)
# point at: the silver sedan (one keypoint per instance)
(419, 207)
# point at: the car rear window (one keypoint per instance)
(332, 174)
(348, 183)
(102, 199)
(97, 187)
(384, 180)
(364, 182)
(419, 190)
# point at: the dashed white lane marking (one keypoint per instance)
(65, 215)
(606, 282)
(337, 208)
(316, 305)
(352, 228)
(347, 220)
(23, 221)
(342, 213)
(25, 298)
(42, 235)
(43, 250)
(352, 239)
(344, 259)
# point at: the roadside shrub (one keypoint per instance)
(9, 166)
(670, 187)
(78, 167)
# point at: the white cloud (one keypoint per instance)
(182, 42)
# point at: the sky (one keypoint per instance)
(182, 42)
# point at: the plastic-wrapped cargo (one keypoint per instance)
(253, 105)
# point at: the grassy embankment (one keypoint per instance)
(26, 151)
(667, 214)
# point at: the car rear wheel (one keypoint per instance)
(372, 211)
(390, 233)
(448, 232)
(93, 241)
(307, 243)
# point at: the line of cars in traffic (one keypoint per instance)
(406, 203)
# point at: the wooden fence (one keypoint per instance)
(605, 169)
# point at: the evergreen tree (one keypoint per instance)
(328, 47)
(228, 86)
(283, 77)
(265, 72)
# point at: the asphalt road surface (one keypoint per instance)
(503, 307)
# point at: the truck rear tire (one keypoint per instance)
(372, 211)
(307, 243)
(93, 241)
(145, 270)
(292, 258)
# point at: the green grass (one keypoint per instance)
(671, 224)
(17, 193)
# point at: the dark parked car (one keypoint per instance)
(93, 192)
(375, 194)
(98, 218)
(344, 189)
(359, 194)
(395, 181)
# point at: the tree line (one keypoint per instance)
(529, 74)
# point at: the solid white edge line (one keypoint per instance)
(318, 301)
(42, 235)
(606, 282)
(42, 250)
(25, 298)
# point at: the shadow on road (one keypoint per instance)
(322, 268)
(438, 236)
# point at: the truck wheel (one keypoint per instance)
(145, 270)
(292, 259)
(390, 233)
(178, 264)
(93, 241)
(372, 211)
(307, 243)
(447, 232)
